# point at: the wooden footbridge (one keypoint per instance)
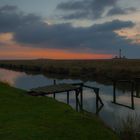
(78, 90)
(67, 88)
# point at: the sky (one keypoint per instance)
(69, 29)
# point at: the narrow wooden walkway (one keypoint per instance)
(76, 87)
(40, 91)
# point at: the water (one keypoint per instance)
(110, 113)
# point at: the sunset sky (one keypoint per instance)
(69, 29)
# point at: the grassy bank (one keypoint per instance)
(81, 68)
(23, 117)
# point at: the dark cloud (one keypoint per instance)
(85, 8)
(71, 5)
(91, 9)
(118, 11)
(112, 26)
(9, 8)
(99, 37)
(11, 19)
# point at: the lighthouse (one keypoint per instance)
(120, 56)
(120, 53)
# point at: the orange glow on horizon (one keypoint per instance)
(33, 53)
(12, 50)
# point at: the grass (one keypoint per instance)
(23, 117)
(129, 128)
(113, 68)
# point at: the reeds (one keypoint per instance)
(129, 127)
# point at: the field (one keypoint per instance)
(23, 117)
(88, 69)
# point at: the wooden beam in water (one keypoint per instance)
(137, 85)
(76, 99)
(98, 98)
(54, 82)
(67, 97)
(114, 91)
(132, 95)
(130, 107)
(54, 95)
(81, 97)
(132, 92)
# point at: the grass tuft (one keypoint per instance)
(129, 128)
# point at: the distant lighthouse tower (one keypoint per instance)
(120, 56)
(120, 53)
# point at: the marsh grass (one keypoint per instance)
(88, 68)
(129, 127)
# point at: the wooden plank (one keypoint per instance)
(53, 89)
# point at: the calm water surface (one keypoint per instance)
(110, 113)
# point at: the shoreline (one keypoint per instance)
(83, 69)
(32, 117)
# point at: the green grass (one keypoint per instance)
(23, 117)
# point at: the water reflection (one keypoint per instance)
(110, 112)
(10, 77)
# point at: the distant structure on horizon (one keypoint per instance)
(120, 55)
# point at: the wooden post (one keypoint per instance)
(76, 98)
(137, 89)
(54, 95)
(67, 97)
(54, 82)
(132, 95)
(97, 99)
(81, 97)
(114, 91)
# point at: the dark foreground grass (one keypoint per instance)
(23, 117)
